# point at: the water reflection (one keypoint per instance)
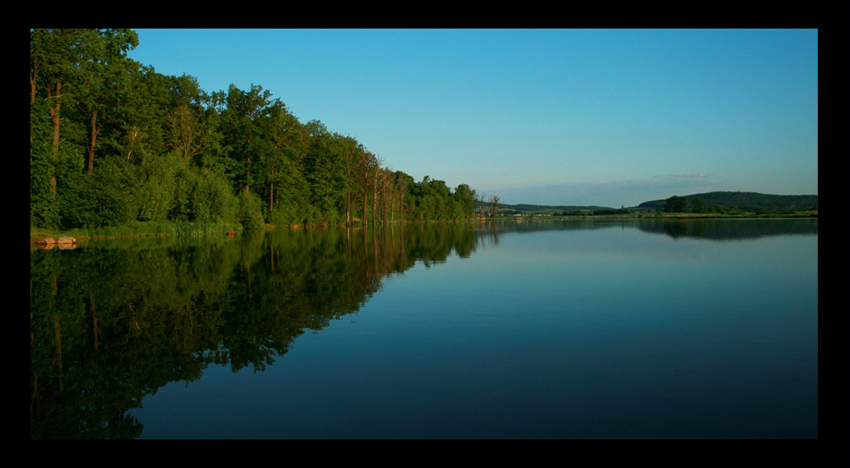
(730, 229)
(709, 229)
(113, 322)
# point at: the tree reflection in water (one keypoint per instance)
(114, 321)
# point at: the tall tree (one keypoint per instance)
(402, 183)
(353, 152)
(325, 169)
(465, 198)
(191, 126)
(108, 91)
(56, 58)
(365, 170)
(282, 169)
(185, 132)
(494, 205)
(145, 113)
(242, 131)
(383, 188)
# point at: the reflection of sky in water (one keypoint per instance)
(584, 333)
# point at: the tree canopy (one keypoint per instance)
(113, 142)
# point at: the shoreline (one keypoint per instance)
(57, 238)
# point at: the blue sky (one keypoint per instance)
(559, 117)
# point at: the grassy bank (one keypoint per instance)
(136, 229)
(151, 229)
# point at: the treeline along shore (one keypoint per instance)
(118, 149)
(710, 204)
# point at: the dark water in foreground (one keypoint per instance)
(557, 329)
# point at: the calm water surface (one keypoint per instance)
(557, 329)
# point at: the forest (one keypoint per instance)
(113, 143)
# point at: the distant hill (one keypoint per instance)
(746, 200)
(526, 208)
(558, 208)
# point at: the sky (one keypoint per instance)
(601, 117)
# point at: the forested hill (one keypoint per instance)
(746, 201)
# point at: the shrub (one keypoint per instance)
(104, 199)
(211, 199)
(156, 187)
(249, 212)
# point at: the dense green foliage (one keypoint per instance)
(114, 143)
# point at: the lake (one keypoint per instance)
(558, 329)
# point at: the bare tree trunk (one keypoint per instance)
(54, 116)
(392, 208)
(248, 175)
(93, 140)
(365, 204)
(133, 135)
(375, 194)
(347, 208)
